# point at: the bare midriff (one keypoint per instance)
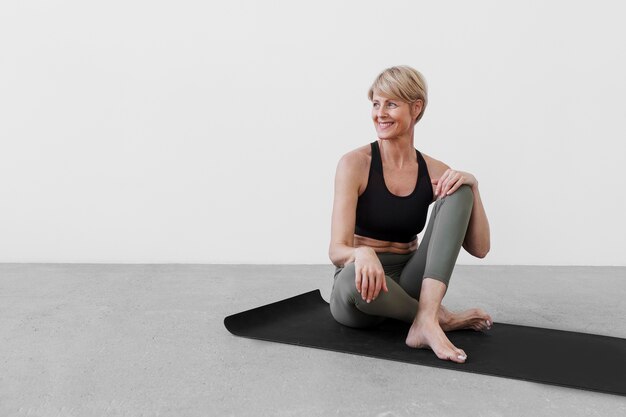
(383, 246)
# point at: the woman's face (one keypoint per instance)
(392, 117)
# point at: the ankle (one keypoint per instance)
(444, 316)
(426, 318)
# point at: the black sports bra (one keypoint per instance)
(385, 216)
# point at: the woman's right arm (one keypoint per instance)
(370, 276)
(342, 250)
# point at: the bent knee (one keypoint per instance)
(345, 284)
(463, 195)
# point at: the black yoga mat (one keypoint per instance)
(570, 359)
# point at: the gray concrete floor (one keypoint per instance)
(148, 340)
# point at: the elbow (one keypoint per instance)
(331, 255)
(476, 252)
(482, 248)
(483, 253)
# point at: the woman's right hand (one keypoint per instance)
(369, 273)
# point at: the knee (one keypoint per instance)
(463, 196)
(345, 286)
(343, 295)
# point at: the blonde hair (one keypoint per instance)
(401, 83)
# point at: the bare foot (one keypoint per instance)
(474, 318)
(428, 334)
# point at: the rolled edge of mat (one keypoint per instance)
(231, 321)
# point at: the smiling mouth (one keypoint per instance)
(384, 125)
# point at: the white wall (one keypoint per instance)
(141, 131)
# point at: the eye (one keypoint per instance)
(375, 105)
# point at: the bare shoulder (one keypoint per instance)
(354, 166)
(356, 160)
(436, 168)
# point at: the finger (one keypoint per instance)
(454, 187)
(357, 280)
(440, 182)
(372, 287)
(379, 284)
(364, 285)
(450, 181)
(444, 180)
(457, 184)
(449, 177)
(385, 284)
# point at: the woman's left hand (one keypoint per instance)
(451, 180)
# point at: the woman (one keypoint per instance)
(381, 271)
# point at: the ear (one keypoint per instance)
(417, 107)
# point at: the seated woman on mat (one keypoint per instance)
(381, 271)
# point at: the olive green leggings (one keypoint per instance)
(434, 258)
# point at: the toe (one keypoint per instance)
(459, 355)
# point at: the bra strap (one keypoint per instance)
(377, 162)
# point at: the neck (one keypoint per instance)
(397, 152)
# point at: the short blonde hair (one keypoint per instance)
(401, 83)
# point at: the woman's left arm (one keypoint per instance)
(477, 238)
